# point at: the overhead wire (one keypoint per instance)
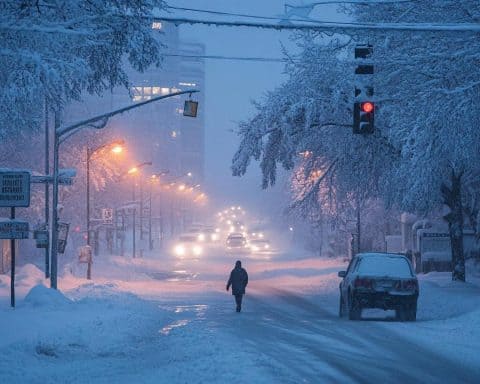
(221, 57)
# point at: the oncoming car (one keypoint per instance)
(379, 280)
(260, 246)
(187, 246)
(236, 242)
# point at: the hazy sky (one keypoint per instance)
(231, 85)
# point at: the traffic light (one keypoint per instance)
(364, 106)
(363, 117)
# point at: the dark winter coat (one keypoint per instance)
(238, 280)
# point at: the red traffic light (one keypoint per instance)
(367, 107)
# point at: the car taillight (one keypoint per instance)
(410, 285)
(363, 283)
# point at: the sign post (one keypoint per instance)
(107, 216)
(14, 192)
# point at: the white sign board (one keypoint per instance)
(107, 215)
(14, 189)
(13, 229)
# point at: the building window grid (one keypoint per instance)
(147, 92)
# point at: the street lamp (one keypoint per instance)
(134, 171)
(116, 148)
(152, 179)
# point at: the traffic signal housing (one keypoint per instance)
(364, 106)
(363, 117)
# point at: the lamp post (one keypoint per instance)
(62, 133)
(134, 171)
(116, 148)
(152, 179)
(176, 203)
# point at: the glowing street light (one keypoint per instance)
(116, 148)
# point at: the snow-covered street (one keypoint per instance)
(156, 321)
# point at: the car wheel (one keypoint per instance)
(407, 312)
(412, 311)
(401, 313)
(341, 307)
(354, 308)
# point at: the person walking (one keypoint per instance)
(238, 280)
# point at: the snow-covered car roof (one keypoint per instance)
(384, 264)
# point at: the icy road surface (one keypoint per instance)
(154, 320)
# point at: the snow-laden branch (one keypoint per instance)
(323, 25)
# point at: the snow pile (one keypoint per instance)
(29, 275)
(41, 296)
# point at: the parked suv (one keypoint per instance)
(379, 280)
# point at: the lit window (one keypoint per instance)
(156, 25)
(173, 134)
(147, 90)
(165, 91)
(137, 98)
(155, 90)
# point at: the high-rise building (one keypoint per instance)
(159, 132)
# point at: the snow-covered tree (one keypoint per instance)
(425, 149)
(305, 126)
(427, 87)
(53, 50)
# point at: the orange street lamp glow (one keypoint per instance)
(117, 149)
(181, 187)
(132, 170)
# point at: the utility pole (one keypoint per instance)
(47, 193)
(88, 196)
(358, 225)
(150, 240)
(54, 236)
(134, 224)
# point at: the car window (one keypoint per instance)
(384, 265)
(351, 266)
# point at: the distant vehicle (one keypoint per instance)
(379, 280)
(237, 242)
(235, 226)
(188, 246)
(257, 234)
(260, 246)
(211, 234)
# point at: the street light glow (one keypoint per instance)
(117, 149)
(132, 170)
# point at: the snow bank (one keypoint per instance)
(41, 296)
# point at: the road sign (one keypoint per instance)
(13, 229)
(62, 236)
(14, 189)
(107, 215)
(41, 237)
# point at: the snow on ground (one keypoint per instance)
(161, 320)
